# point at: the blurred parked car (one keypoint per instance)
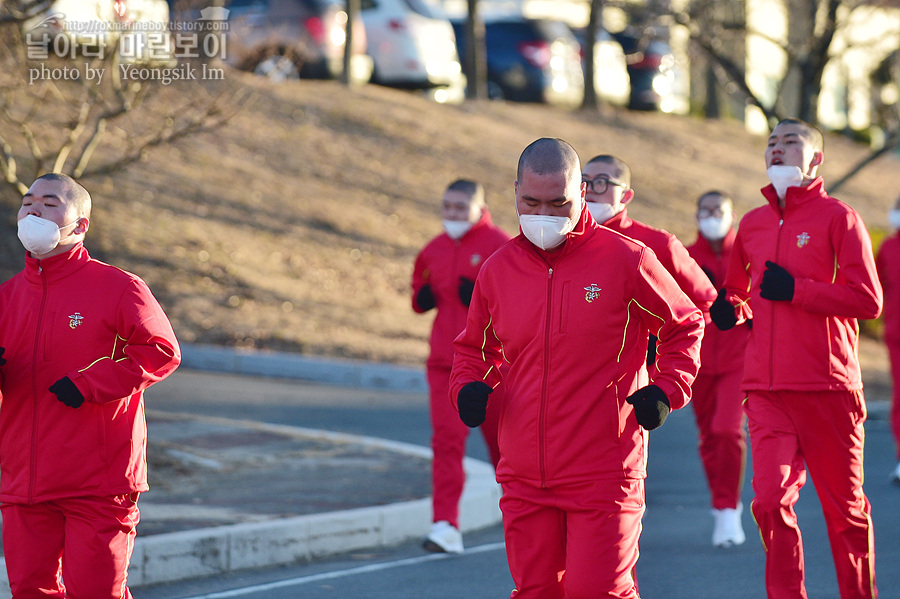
(611, 78)
(530, 60)
(412, 45)
(285, 39)
(137, 30)
(654, 73)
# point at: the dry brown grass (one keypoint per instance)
(295, 227)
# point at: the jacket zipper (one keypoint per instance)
(546, 382)
(457, 246)
(772, 328)
(34, 383)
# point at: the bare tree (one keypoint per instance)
(595, 19)
(352, 8)
(89, 113)
(813, 25)
(475, 55)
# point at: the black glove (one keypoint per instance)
(777, 284)
(651, 350)
(722, 312)
(425, 298)
(651, 406)
(472, 403)
(466, 287)
(2, 359)
(67, 392)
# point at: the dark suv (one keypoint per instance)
(530, 60)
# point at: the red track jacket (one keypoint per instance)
(809, 343)
(440, 264)
(673, 256)
(888, 263)
(573, 326)
(70, 315)
(722, 351)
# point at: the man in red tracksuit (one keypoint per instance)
(567, 307)
(888, 263)
(79, 342)
(443, 278)
(716, 394)
(608, 180)
(802, 268)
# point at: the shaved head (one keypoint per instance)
(549, 155)
(75, 192)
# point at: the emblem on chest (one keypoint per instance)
(593, 292)
(75, 320)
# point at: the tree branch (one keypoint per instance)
(892, 143)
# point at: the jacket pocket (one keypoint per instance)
(563, 301)
(48, 337)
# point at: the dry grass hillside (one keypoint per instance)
(295, 227)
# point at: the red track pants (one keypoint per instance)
(718, 410)
(84, 541)
(824, 430)
(448, 443)
(894, 354)
(576, 541)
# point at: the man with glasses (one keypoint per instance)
(608, 182)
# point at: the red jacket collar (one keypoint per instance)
(727, 242)
(55, 267)
(794, 196)
(620, 221)
(483, 221)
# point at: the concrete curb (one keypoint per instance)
(343, 373)
(210, 551)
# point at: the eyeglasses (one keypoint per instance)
(719, 211)
(601, 184)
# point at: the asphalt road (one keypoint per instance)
(677, 560)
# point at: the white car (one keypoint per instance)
(413, 45)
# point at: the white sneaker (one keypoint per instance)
(728, 531)
(443, 538)
(895, 475)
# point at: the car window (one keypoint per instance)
(552, 30)
(512, 31)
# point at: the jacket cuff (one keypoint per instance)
(802, 293)
(80, 383)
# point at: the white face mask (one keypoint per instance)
(601, 211)
(894, 218)
(783, 176)
(38, 235)
(714, 228)
(546, 232)
(456, 228)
